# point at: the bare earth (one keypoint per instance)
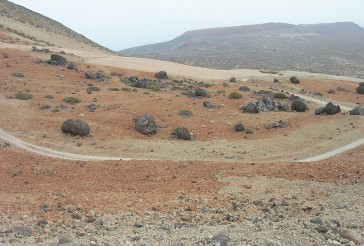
(223, 188)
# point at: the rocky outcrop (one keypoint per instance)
(145, 124)
(76, 127)
(251, 108)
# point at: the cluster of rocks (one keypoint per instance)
(43, 50)
(264, 104)
(359, 110)
(57, 60)
(98, 76)
(329, 109)
(240, 127)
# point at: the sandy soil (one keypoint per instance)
(220, 161)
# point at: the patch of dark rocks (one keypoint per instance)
(329, 109)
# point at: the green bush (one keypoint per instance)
(94, 88)
(113, 89)
(185, 113)
(23, 95)
(45, 106)
(19, 75)
(280, 95)
(116, 74)
(126, 89)
(49, 97)
(235, 95)
(71, 100)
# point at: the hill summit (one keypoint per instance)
(333, 48)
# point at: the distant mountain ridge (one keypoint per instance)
(333, 48)
(40, 29)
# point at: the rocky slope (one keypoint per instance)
(334, 48)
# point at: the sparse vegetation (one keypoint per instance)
(18, 75)
(235, 95)
(21, 95)
(45, 106)
(185, 113)
(71, 100)
(49, 97)
(126, 89)
(115, 74)
(94, 88)
(113, 89)
(280, 95)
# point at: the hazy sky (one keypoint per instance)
(124, 24)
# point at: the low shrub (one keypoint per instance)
(18, 75)
(113, 89)
(280, 95)
(23, 95)
(235, 95)
(185, 113)
(71, 100)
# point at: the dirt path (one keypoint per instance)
(71, 156)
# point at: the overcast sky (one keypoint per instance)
(124, 24)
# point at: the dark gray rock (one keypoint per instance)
(23, 231)
(317, 220)
(360, 90)
(239, 127)
(133, 79)
(71, 66)
(145, 124)
(266, 104)
(293, 97)
(182, 133)
(299, 105)
(232, 80)
(294, 80)
(207, 104)
(161, 75)
(322, 229)
(251, 108)
(90, 75)
(140, 84)
(42, 222)
(219, 239)
(357, 110)
(244, 88)
(329, 108)
(275, 80)
(57, 60)
(200, 93)
(92, 107)
(76, 127)
(138, 224)
(64, 240)
(331, 91)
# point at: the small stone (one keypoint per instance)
(138, 224)
(342, 205)
(352, 236)
(322, 229)
(42, 222)
(23, 231)
(317, 220)
(64, 240)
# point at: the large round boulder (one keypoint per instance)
(76, 127)
(57, 60)
(294, 80)
(161, 75)
(244, 88)
(299, 105)
(146, 124)
(329, 108)
(182, 133)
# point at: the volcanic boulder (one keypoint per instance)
(250, 108)
(360, 89)
(329, 108)
(239, 127)
(161, 75)
(357, 111)
(76, 127)
(299, 105)
(244, 88)
(57, 60)
(146, 124)
(182, 133)
(294, 80)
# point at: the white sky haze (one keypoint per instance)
(124, 24)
